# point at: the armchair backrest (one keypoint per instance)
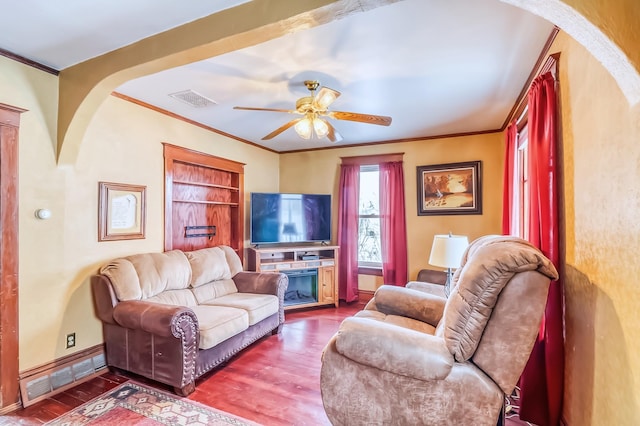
(497, 299)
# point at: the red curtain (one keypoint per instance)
(543, 378)
(393, 227)
(509, 179)
(348, 231)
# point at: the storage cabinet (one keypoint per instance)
(204, 200)
(327, 285)
(319, 263)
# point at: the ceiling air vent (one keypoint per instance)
(193, 98)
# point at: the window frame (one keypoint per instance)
(371, 160)
(366, 267)
(522, 203)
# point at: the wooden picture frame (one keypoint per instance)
(450, 189)
(121, 211)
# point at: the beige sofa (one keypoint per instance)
(416, 356)
(174, 316)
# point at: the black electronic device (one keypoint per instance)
(290, 218)
(309, 257)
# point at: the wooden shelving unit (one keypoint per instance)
(283, 259)
(202, 191)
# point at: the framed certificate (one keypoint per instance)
(121, 211)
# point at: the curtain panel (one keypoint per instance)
(508, 192)
(393, 227)
(543, 378)
(348, 231)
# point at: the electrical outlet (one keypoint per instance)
(71, 340)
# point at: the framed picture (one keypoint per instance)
(121, 211)
(446, 189)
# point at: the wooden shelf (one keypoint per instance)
(209, 185)
(221, 203)
(202, 190)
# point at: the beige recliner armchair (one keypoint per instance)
(412, 357)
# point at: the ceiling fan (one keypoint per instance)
(314, 109)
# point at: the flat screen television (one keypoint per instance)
(290, 218)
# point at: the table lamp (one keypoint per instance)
(447, 251)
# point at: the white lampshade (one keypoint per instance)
(447, 250)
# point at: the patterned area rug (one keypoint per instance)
(135, 404)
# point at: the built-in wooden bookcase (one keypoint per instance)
(204, 200)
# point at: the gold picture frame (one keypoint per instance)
(121, 211)
(450, 189)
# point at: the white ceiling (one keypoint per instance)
(437, 67)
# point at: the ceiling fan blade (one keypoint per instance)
(333, 135)
(324, 98)
(281, 129)
(362, 118)
(291, 111)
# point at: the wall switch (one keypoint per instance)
(71, 340)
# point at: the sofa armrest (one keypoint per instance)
(261, 283)
(104, 298)
(264, 283)
(156, 318)
(395, 349)
(405, 302)
(431, 276)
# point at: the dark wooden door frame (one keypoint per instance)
(9, 366)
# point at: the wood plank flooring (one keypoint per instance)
(275, 381)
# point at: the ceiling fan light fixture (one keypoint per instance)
(320, 127)
(303, 128)
(326, 99)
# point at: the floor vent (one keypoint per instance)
(193, 98)
(42, 382)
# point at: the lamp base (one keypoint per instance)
(449, 272)
(449, 282)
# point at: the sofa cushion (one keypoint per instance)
(218, 323)
(258, 306)
(235, 265)
(208, 265)
(182, 297)
(145, 275)
(214, 289)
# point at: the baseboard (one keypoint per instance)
(365, 295)
(10, 408)
(54, 377)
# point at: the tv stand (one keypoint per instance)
(289, 258)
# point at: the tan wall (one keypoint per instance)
(318, 171)
(57, 256)
(601, 135)
(617, 19)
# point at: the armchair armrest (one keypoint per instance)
(394, 349)
(156, 318)
(261, 283)
(405, 302)
(426, 287)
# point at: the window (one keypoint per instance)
(369, 250)
(521, 199)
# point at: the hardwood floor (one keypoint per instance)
(273, 382)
